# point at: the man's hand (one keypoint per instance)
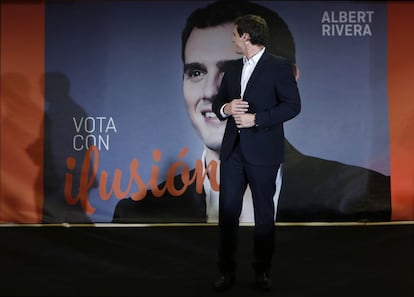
(236, 107)
(245, 120)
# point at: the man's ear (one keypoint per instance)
(245, 36)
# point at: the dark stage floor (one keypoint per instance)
(361, 260)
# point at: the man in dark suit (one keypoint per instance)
(257, 95)
(313, 189)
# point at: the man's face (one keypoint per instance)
(206, 53)
(239, 41)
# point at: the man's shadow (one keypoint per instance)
(59, 131)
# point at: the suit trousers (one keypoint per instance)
(235, 175)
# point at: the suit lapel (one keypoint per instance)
(239, 74)
(256, 72)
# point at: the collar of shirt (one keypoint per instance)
(255, 58)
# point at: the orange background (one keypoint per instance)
(22, 106)
(401, 107)
(22, 67)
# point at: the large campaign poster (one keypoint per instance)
(125, 140)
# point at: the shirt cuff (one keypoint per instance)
(223, 114)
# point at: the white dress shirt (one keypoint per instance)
(248, 67)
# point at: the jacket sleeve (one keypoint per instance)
(224, 92)
(288, 99)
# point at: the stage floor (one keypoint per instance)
(313, 260)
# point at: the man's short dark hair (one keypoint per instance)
(255, 26)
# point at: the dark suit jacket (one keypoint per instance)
(313, 189)
(273, 95)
